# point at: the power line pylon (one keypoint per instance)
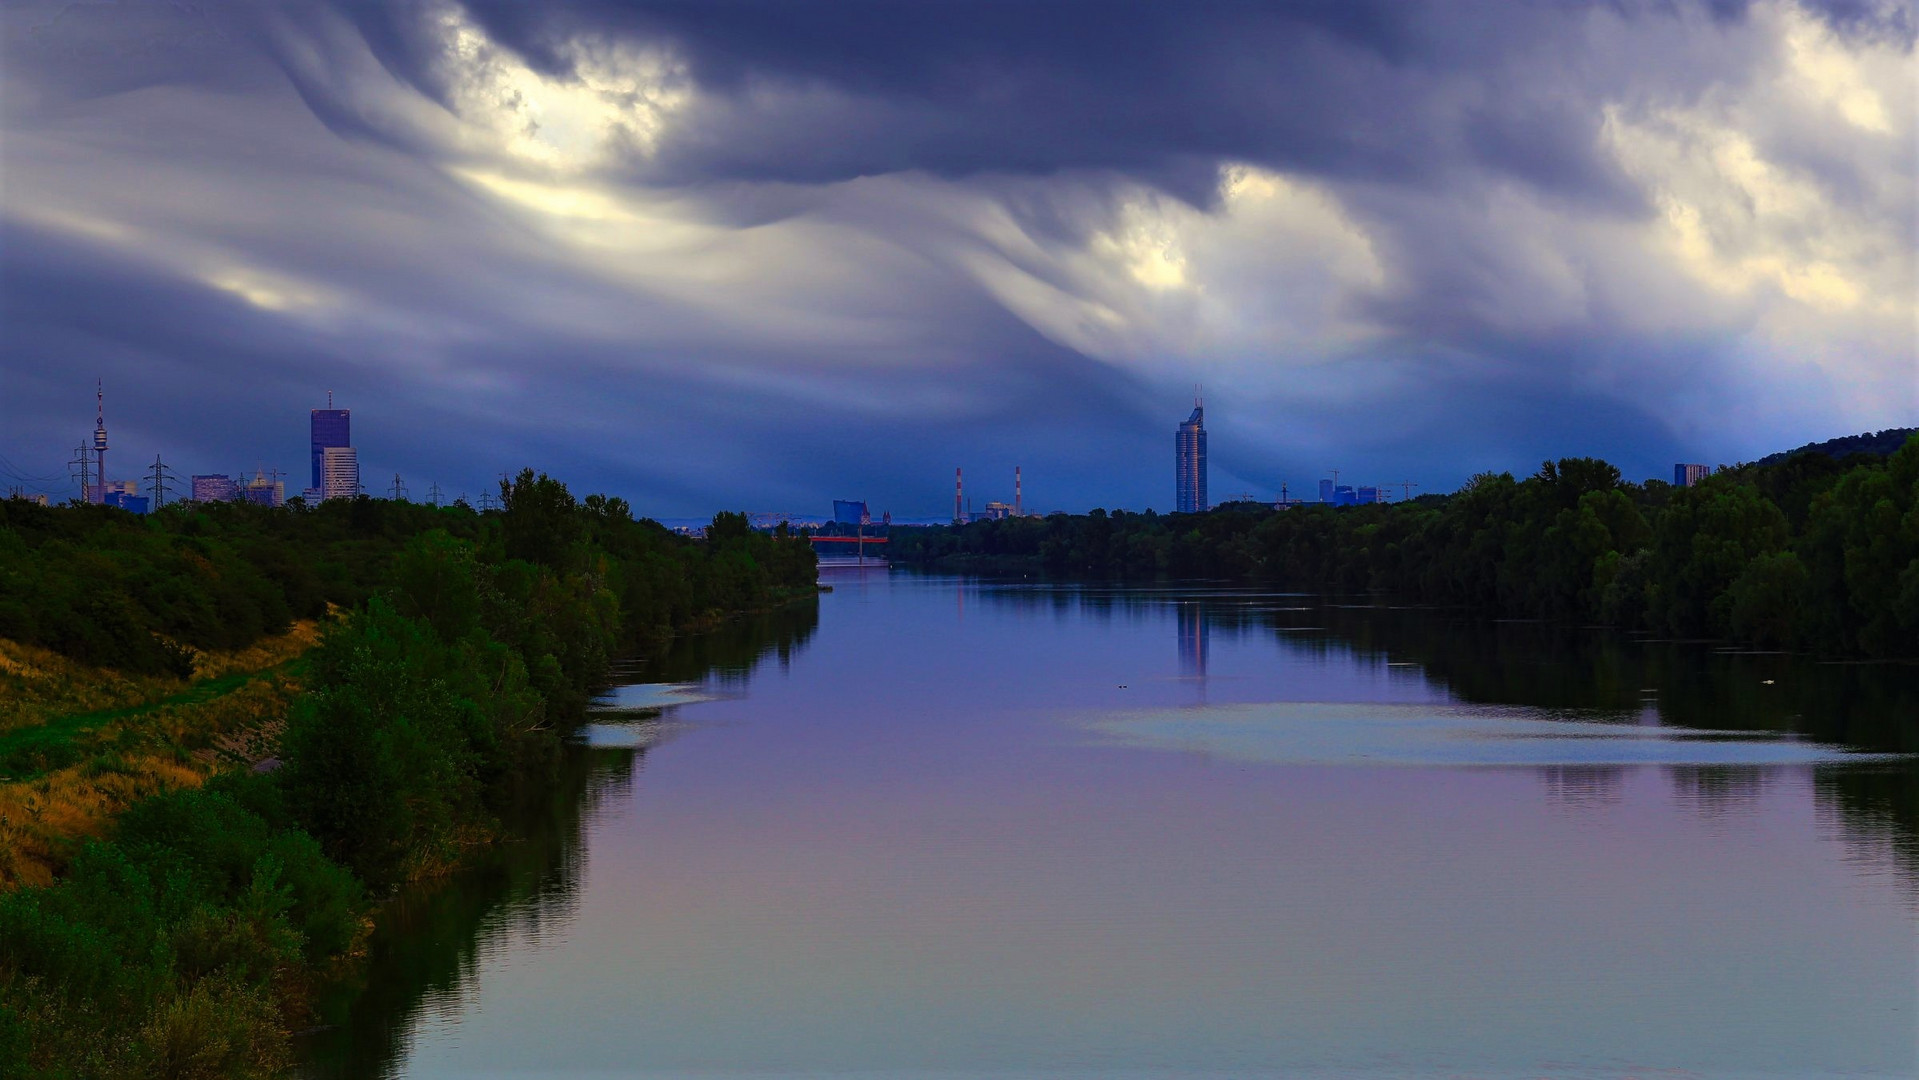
(399, 489)
(157, 482)
(434, 494)
(82, 467)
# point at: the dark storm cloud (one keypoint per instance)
(836, 249)
(1161, 91)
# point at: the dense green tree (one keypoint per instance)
(1808, 551)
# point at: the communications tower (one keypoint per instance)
(99, 493)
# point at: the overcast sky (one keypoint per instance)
(729, 255)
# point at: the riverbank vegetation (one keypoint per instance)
(218, 841)
(1810, 552)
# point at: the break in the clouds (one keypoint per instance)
(764, 255)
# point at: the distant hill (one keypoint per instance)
(1882, 443)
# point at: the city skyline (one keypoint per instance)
(337, 474)
(754, 257)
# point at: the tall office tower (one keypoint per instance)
(1326, 491)
(331, 427)
(1189, 445)
(339, 473)
(1688, 475)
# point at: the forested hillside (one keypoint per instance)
(1877, 443)
(1811, 552)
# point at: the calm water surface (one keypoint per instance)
(960, 829)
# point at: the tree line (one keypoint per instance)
(190, 941)
(1810, 553)
(143, 594)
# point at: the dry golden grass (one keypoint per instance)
(38, 685)
(43, 821)
(173, 744)
(264, 653)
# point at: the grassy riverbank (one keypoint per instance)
(173, 906)
(1808, 552)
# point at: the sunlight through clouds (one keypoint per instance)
(620, 99)
(1650, 230)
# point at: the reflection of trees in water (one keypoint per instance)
(1720, 790)
(729, 652)
(1871, 707)
(1583, 786)
(424, 952)
(1594, 672)
(427, 942)
(1877, 807)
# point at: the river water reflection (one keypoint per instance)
(969, 829)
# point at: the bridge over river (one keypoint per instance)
(849, 550)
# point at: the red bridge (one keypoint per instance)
(858, 556)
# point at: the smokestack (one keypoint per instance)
(1018, 501)
(958, 488)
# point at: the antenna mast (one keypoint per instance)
(100, 442)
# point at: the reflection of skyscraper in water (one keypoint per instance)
(1192, 640)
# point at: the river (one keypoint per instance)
(949, 828)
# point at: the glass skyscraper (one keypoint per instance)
(1189, 445)
(331, 427)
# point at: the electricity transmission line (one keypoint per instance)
(158, 479)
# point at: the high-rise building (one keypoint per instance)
(1189, 447)
(1688, 475)
(1325, 491)
(213, 487)
(330, 427)
(339, 473)
(265, 492)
